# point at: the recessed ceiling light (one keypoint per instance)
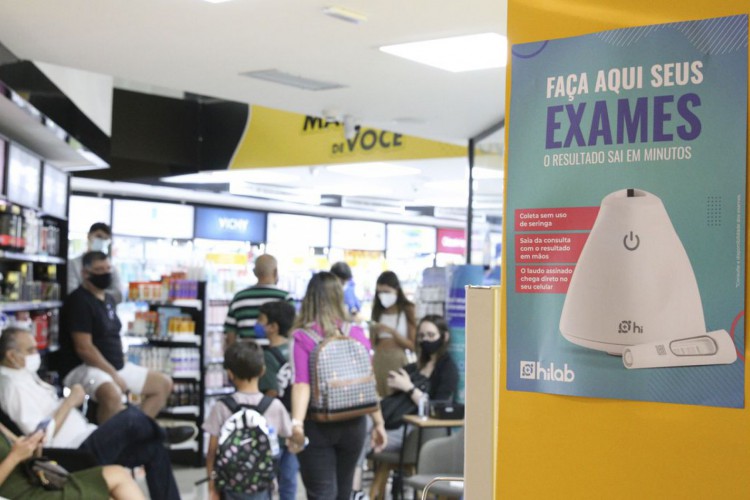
(456, 54)
(345, 14)
(373, 170)
(216, 1)
(300, 82)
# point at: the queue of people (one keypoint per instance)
(273, 359)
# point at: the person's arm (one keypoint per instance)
(300, 401)
(410, 341)
(401, 381)
(74, 274)
(230, 326)
(74, 400)
(23, 448)
(91, 355)
(213, 444)
(445, 380)
(115, 289)
(379, 436)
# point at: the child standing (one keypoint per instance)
(274, 322)
(244, 364)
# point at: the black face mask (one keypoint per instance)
(429, 348)
(101, 281)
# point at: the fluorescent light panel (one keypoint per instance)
(374, 170)
(344, 14)
(456, 54)
(300, 82)
(227, 176)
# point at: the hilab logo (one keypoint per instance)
(533, 370)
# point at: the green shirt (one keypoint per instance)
(245, 308)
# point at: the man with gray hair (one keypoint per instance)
(244, 308)
(129, 438)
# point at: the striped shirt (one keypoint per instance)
(245, 308)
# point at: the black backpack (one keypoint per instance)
(283, 378)
(246, 458)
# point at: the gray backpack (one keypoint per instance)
(342, 383)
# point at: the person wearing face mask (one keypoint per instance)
(129, 438)
(99, 240)
(434, 374)
(392, 329)
(91, 351)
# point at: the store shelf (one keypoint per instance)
(221, 391)
(190, 413)
(24, 257)
(214, 361)
(186, 377)
(29, 306)
(191, 445)
(177, 341)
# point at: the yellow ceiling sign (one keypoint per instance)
(276, 138)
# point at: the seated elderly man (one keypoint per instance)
(128, 438)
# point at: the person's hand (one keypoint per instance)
(24, 447)
(120, 382)
(77, 395)
(378, 438)
(298, 438)
(292, 446)
(399, 380)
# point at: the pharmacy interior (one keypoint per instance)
(182, 253)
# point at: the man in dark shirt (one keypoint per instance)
(91, 348)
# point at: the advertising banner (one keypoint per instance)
(626, 192)
(275, 138)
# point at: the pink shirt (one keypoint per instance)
(304, 345)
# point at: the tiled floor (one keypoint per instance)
(187, 476)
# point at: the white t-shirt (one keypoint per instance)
(397, 322)
(28, 400)
(276, 415)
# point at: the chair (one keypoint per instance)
(440, 457)
(386, 461)
(73, 460)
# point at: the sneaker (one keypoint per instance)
(179, 433)
(360, 495)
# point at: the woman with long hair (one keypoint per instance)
(327, 463)
(434, 374)
(393, 329)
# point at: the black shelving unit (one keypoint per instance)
(193, 452)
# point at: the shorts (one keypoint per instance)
(91, 378)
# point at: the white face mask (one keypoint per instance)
(387, 299)
(33, 362)
(99, 245)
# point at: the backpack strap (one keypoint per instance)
(276, 352)
(234, 406)
(265, 402)
(313, 335)
(230, 403)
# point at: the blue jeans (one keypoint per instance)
(130, 438)
(288, 468)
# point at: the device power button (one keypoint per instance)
(631, 241)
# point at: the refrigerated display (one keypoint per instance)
(300, 244)
(410, 250)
